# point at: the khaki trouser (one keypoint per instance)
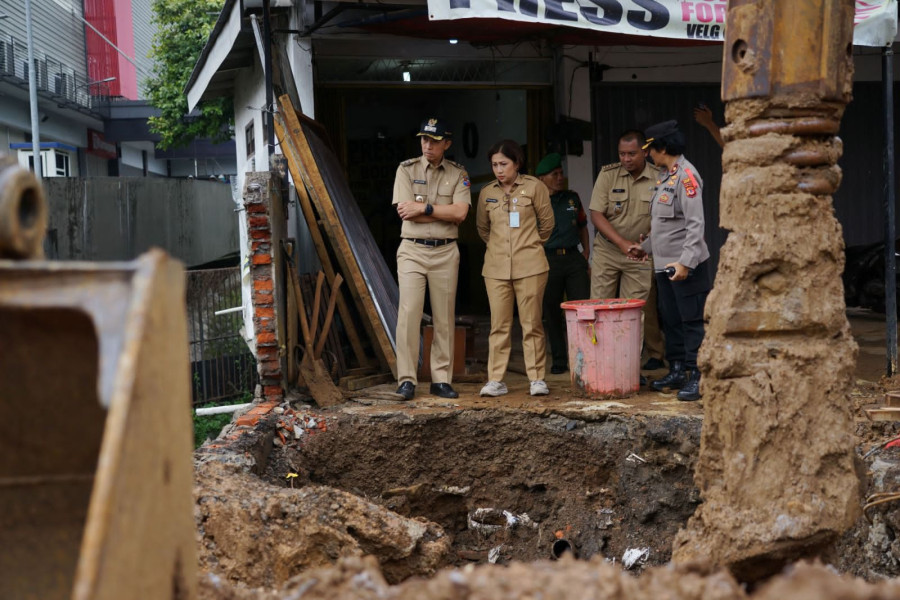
(439, 268)
(528, 294)
(614, 276)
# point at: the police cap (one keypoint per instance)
(660, 131)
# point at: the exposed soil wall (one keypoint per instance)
(607, 485)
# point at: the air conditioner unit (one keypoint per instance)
(64, 85)
(6, 58)
(40, 73)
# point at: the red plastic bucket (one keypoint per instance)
(605, 345)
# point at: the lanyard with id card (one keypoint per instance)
(514, 215)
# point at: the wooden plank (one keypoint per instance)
(360, 372)
(321, 249)
(291, 334)
(358, 383)
(892, 399)
(376, 317)
(883, 414)
(333, 344)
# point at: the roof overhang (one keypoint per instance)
(230, 48)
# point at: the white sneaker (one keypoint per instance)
(494, 388)
(539, 388)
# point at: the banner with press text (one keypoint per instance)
(876, 20)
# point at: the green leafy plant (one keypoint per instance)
(183, 29)
(209, 426)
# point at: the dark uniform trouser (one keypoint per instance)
(681, 308)
(568, 275)
(653, 337)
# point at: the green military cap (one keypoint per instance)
(548, 163)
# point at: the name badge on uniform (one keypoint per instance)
(513, 219)
(491, 200)
(618, 191)
(422, 181)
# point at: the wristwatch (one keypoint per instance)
(428, 210)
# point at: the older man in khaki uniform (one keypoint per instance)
(620, 212)
(432, 197)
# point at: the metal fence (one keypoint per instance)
(56, 80)
(222, 366)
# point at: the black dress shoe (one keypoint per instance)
(407, 390)
(556, 369)
(690, 391)
(653, 364)
(673, 379)
(443, 390)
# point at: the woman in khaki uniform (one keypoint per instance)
(514, 218)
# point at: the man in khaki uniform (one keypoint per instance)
(432, 197)
(620, 212)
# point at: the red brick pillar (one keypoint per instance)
(259, 194)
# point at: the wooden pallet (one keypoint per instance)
(375, 297)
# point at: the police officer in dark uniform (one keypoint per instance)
(676, 243)
(568, 265)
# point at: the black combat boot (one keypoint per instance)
(690, 391)
(673, 379)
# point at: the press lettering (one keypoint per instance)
(655, 15)
(529, 8)
(612, 12)
(555, 11)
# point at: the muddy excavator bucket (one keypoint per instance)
(95, 439)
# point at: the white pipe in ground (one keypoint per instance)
(218, 410)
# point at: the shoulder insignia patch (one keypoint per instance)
(690, 184)
(465, 179)
(610, 167)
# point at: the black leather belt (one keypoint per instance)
(432, 243)
(572, 250)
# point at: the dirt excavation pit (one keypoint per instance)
(378, 499)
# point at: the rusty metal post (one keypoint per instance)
(776, 463)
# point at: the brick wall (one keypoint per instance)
(261, 195)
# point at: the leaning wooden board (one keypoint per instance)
(370, 281)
